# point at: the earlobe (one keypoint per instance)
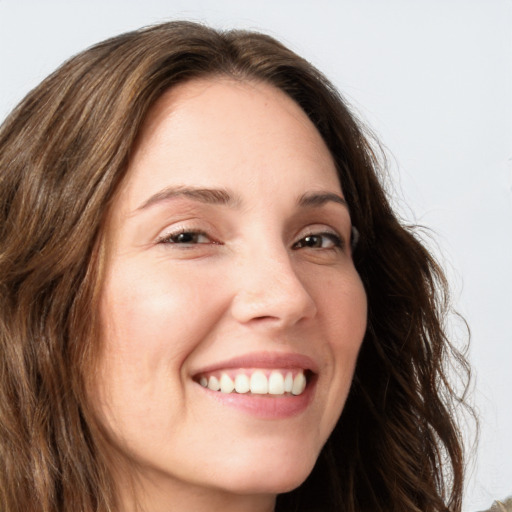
(354, 238)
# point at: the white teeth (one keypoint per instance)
(226, 384)
(276, 383)
(213, 383)
(259, 383)
(242, 384)
(299, 384)
(288, 382)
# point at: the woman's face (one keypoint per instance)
(229, 264)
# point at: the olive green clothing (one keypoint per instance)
(501, 506)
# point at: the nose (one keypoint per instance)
(270, 291)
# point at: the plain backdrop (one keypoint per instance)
(434, 80)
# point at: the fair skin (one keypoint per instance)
(228, 254)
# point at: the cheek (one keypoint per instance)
(349, 316)
(348, 327)
(150, 325)
(342, 305)
(345, 310)
(156, 313)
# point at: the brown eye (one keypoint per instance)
(319, 241)
(186, 238)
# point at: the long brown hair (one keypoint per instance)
(64, 151)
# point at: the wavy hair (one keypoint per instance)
(63, 153)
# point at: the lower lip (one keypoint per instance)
(272, 407)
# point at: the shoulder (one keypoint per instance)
(501, 506)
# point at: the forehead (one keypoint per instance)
(218, 130)
(224, 101)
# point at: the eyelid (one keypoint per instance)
(166, 236)
(339, 243)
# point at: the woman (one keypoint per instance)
(200, 271)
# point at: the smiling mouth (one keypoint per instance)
(273, 382)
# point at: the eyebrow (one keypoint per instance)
(217, 196)
(203, 195)
(316, 199)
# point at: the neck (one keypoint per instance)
(160, 495)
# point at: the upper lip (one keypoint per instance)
(264, 360)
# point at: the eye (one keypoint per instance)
(325, 240)
(186, 237)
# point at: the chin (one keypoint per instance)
(274, 476)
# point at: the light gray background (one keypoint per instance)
(432, 77)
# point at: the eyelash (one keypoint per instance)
(335, 239)
(173, 239)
